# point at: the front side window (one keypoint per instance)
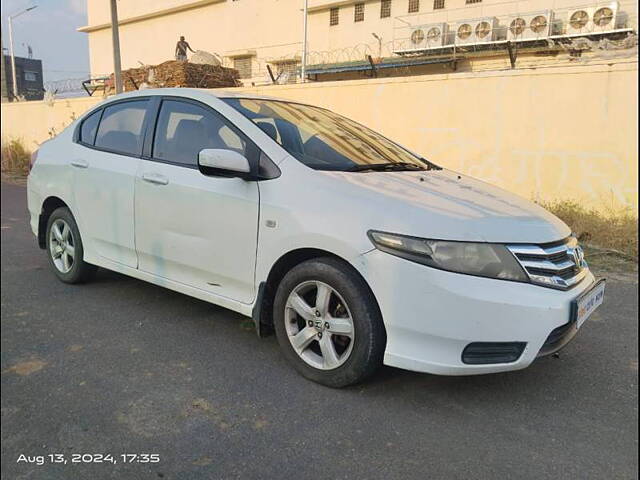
(183, 129)
(89, 128)
(121, 127)
(324, 140)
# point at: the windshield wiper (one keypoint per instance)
(387, 167)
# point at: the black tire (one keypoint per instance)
(370, 337)
(80, 271)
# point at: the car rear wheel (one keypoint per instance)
(64, 246)
(328, 323)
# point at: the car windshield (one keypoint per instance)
(324, 140)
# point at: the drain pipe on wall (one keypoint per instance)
(303, 70)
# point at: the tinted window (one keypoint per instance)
(183, 129)
(322, 139)
(89, 127)
(121, 126)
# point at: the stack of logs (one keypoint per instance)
(179, 74)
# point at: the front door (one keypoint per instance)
(190, 228)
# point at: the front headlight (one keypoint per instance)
(481, 259)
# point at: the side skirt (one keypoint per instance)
(241, 308)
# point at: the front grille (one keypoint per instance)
(557, 265)
(565, 274)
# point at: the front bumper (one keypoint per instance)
(431, 315)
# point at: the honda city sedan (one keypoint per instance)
(356, 251)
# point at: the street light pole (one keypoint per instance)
(304, 44)
(14, 79)
(379, 39)
(14, 89)
(115, 39)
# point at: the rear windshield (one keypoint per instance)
(322, 139)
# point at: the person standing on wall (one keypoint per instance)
(181, 49)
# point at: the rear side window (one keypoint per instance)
(121, 127)
(89, 128)
(183, 129)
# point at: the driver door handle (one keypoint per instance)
(79, 163)
(155, 178)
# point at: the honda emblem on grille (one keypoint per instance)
(578, 256)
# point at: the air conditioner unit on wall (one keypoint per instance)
(418, 39)
(429, 36)
(479, 30)
(605, 17)
(436, 35)
(592, 19)
(530, 26)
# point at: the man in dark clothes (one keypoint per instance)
(181, 49)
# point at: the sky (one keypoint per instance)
(50, 29)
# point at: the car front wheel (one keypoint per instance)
(328, 323)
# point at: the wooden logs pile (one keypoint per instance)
(179, 74)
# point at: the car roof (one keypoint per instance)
(196, 92)
(192, 93)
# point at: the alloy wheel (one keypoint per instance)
(319, 325)
(62, 246)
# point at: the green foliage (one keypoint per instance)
(15, 158)
(615, 229)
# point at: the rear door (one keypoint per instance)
(190, 228)
(104, 177)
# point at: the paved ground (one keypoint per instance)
(121, 366)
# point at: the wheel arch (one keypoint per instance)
(49, 205)
(263, 309)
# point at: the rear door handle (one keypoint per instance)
(155, 178)
(79, 163)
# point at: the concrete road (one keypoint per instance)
(120, 366)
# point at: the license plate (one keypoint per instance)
(587, 303)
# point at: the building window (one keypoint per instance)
(243, 66)
(414, 6)
(438, 4)
(334, 16)
(385, 8)
(286, 72)
(358, 12)
(30, 76)
(473, 1)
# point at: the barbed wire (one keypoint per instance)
(286, 67)
(67, 85)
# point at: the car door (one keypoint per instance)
(105, 165)
(194, 229)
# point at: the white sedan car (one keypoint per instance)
(356, 251)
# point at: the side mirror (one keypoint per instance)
(223, 163)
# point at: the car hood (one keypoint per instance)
(442, 204)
